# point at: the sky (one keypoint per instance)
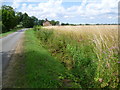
(69, 11)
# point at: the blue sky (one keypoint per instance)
(71, 11)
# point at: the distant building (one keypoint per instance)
(46, 23)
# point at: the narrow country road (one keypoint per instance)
(8, 45)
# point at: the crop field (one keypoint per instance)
(90, 53)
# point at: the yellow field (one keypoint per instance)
(94, 28)
(94, 48)
(103, 37)
(107, 34)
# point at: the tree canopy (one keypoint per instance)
(53, 22)
(11, 18)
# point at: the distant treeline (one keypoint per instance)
(63, 24)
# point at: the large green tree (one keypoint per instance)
(40, 22)
(29, 22)
(19, 15)
(36, 21)
(53, 22)
(9, 20)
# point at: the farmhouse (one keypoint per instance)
(46, 23)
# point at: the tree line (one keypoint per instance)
(64, 24)
(11, 19)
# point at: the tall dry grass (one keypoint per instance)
(103, 40)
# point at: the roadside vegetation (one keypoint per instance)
(90, 56)
(41, 69)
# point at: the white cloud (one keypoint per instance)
(91, 17)
(53, 9)
(15, 4)
(101, 8)
(109, 17)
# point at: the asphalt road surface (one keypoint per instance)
(8, 46)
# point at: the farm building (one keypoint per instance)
(46, 23)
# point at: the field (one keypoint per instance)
(90, 53)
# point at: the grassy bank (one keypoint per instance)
(42, 70)
(89, 55)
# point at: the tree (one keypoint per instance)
(65, 24)
(25, 20)
(53, 22)
(57, 22)
(8, 18)
(19, 16)
(35, 20)
(28, 21)
(40, 22)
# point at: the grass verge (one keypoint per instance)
(42, 70)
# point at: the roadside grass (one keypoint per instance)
(42, 70)
(7, 33)
(90, 56)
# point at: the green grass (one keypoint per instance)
(42, 70)
(7, 33)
